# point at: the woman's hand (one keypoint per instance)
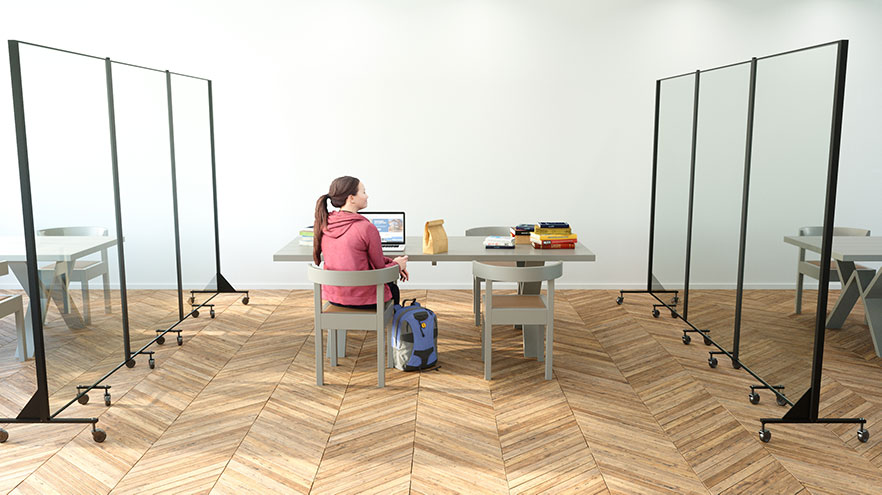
(402, 265)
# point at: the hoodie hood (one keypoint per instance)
(339, 222)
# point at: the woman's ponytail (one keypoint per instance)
(321, 221)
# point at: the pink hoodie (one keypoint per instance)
(351, 242)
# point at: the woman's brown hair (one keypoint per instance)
(340, 190)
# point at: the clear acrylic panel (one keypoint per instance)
(194, 183)
(147, 210)
(717, 199)
(673, 163)
(65, 104)
(788, 180)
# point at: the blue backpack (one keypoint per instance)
(414, 337)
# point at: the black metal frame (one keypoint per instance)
(805, 410)
(37, 408)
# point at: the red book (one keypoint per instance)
(565, 245)
(558, 241)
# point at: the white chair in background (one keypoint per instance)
(812, 268)
(476, 281)
(12, 305)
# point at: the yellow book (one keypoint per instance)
(552, 237)
(554, 231)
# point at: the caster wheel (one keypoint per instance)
(712, 362)
(180, 340)
(191, 300)
(781, 401)
(686, 339)
(161, 340)
(754, 398)
(211, 313)
(246, 300)
(675, 300)
(130, 363)
(151, 363)
(620, 300)
(863, 435)
(196, 314)
(707, 341)
(673, 314)
(107, 400)
(83, 399)
(99, 435)
(655, 313)
(4, 435)
(765, 435)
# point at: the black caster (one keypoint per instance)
(211, 313)
(712, 362)
(196, 314)
(180, 340)
(191, 300)
(707, 341)
(245, 300)
(675, 300)
(655, 313)
(151, 362)
(765, 435)
(754, 398)
(620, 300)
(673, 314)
(686, 339)
(160, 340)
(83, 399)
(863, 435)
(4, 435)
(99, 435)
(781, 400)
(130, 363)
(107, 399)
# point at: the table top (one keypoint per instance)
(460, 248)
(54, 248)
(845, 248)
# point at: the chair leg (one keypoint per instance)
(476, 299)
(22, 346)
(87, 311)
(799, 279)
(319, 358)
(106, 281)
(381, 356)
(487, 345)
(549, 348)
(332, 346)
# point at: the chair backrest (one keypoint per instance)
(344, 278)
(843, 231)
(485, 231)
(84, 231)
(495, 273)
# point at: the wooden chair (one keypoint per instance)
(83, 270)
(330, 317)
(519, 309)
(476, 281)
(812, 268)
(12, 305)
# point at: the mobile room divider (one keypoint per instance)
(148, 196)
(743, 155)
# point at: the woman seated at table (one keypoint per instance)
(350, 241)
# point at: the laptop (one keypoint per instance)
(391, 227)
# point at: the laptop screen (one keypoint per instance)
(389, 223)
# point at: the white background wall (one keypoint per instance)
(478, 112)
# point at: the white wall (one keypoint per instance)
(478, 112)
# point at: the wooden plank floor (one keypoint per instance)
(630, 409)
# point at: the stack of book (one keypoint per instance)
(499, 242)
(306, 236)
(521, 233)
(553, 235)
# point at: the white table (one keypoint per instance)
(856, 284)
(63, 251)
(467, 249)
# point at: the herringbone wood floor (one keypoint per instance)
(630, 409)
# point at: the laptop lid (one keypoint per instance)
(390, 224)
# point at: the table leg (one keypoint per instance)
(849, 295)
(872, 298)
(534, 335)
